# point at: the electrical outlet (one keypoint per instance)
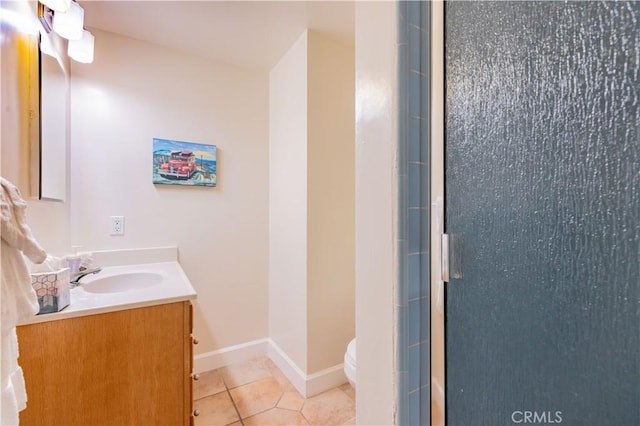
(117, 225)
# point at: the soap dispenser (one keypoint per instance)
(73, 261)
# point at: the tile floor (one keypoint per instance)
(257, 393)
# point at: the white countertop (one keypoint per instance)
(174, 287)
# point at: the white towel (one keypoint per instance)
(14, 396)
(19, 300)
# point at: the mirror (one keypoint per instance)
(54, 122)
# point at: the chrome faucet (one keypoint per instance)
(75, 278)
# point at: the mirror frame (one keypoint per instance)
(58, 165)
(57, 46)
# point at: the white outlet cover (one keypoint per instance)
(117, 225)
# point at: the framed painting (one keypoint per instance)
(183, 163)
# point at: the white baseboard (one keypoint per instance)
(307, 385)
(229, 355)
(326, 379)
(289, 368)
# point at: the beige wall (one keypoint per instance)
(311, 281)
(135, 91)
(288, 203)
(331, 202)
(376, 207)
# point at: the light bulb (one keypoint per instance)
(69, 24)
(45, 45)
(82, 50)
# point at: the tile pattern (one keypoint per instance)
(208, 383)
(256, 392)
(256, 397)
(413, 212)
(216, 409)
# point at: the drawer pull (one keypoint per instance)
(196, 412)
(195, 341)
(196, 377)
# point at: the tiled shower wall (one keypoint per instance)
(413, 214)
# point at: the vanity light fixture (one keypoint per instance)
(57, 5)
(82, 50)
(70, 24)
(45, 45)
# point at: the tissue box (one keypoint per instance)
(53, 290)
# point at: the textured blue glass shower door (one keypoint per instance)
(543, 196)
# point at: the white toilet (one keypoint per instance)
(350, 363)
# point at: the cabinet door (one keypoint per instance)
(120, 368)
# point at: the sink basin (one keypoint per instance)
(127, 281)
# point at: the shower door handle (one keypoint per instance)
(444, 262)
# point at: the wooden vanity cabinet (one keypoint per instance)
(130, 367)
